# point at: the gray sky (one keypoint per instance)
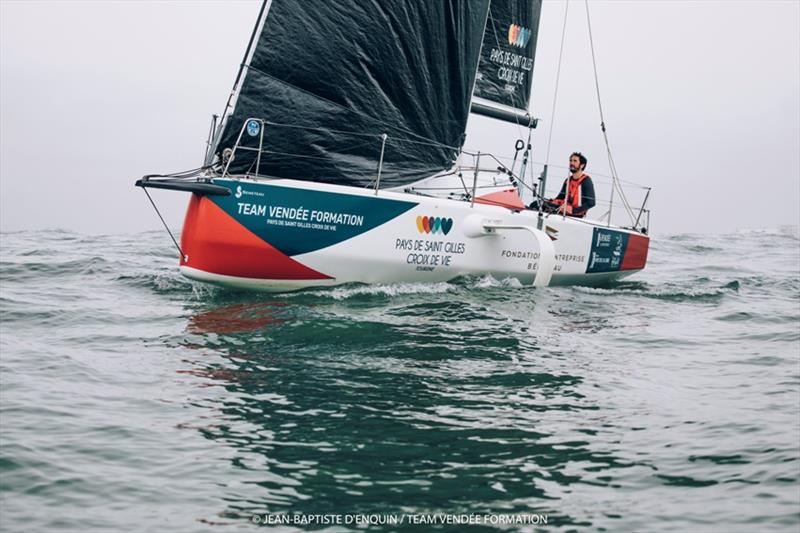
(701, 100)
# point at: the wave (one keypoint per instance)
(36, 269)
(160, 282)
(669, 293)
(790, 232)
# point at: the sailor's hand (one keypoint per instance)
(565, 209)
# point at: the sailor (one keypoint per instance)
(581, 190)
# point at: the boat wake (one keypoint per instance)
(667, 292)
(347, 292)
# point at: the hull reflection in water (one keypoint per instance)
(236, 318)
(405, 407)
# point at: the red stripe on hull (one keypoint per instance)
(216, 243)
(636, 252)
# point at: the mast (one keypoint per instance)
(234, 94)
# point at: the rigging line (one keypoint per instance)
(391, 138)
(343, 150)
(558, 77)
(612, 167)
(312, 128)
(394, 141)
(489, 186)
(594, 174)
(165, 224)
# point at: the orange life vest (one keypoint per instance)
(573, 192)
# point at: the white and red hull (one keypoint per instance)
(278, 235)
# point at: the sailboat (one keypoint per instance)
(339, 157)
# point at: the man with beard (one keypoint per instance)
(579, 188)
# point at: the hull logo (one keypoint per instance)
(434, 225)
(243, 192)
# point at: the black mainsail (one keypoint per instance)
(331, 77)
(503, 83)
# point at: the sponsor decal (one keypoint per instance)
(426, 255)
(570, 258)
(297, 221)
(253, 127)
(519, 254)
(511, 68)
(244, 192)
(518, 36)
(280, 215)
(434, 225)
(608, 249)
(531, 257)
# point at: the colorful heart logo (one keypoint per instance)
(434, 224)
(447, 225)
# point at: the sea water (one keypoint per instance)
(132, 399)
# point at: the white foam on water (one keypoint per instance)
(391, 289)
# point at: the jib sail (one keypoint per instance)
(503, 83)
